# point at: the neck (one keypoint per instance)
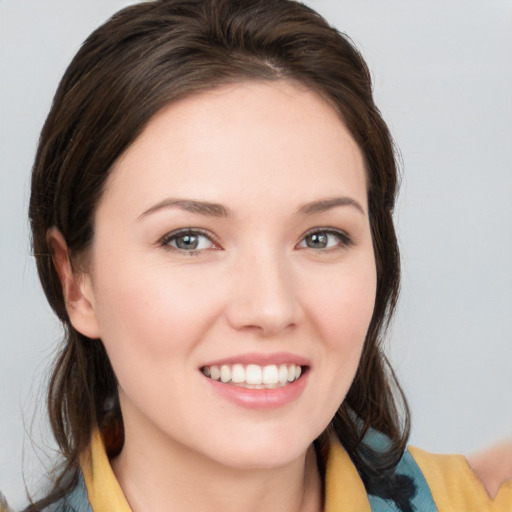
(162, 477)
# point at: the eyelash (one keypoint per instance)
(167, 239)
(345, 241)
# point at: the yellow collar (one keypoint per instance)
(102, 486)
(344, 489)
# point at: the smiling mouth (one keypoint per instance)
(253, 376)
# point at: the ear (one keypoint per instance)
(76, 288)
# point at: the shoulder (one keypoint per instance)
(345, 490)
(455, 486)
(450, 482)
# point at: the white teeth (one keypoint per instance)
(253, 375)
(215, 373)
(225, 373)
(283, 374)
(270, 375)
(238, 373)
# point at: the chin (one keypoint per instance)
(264, 451)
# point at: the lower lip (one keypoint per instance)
(260, 398)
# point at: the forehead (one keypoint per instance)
(264, 137)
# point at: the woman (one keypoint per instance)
(211, 213)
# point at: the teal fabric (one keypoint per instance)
(77, 501)
(423, 500)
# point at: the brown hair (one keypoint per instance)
(139, 61)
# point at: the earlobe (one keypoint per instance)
(76, 288)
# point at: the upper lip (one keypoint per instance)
(261, 359)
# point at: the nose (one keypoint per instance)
(262, 295)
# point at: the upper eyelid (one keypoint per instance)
(325, 229)
(335, 231)
(348, 239)
(184, 231)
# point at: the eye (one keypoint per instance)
(188, 240)
(325, 239)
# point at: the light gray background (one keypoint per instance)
(443, 80)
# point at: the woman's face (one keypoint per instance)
(232, 250)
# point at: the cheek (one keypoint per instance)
(149, 319)
(345, 306)
(341, 317)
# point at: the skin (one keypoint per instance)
(493, 466)
(254, 286)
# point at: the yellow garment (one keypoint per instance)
(454, 487)
(344, 489)
(103, 489)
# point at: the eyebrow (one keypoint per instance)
(218, 210)
(190, 205)
(327, 204)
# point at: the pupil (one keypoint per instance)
(187, 242)
(317, 240)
